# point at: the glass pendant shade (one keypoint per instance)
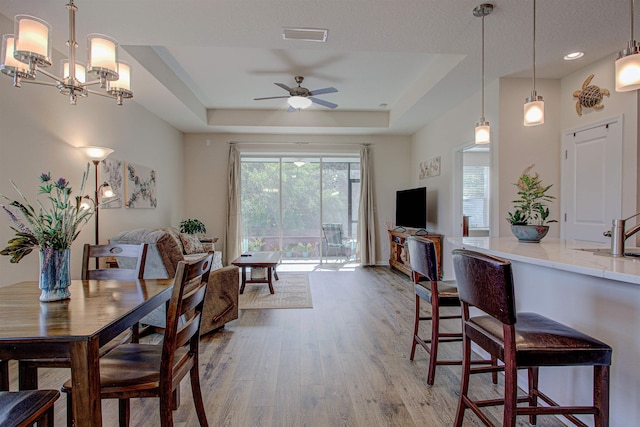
(483, 133)
(628, 71)
(299, 102)
(8, 64)
(102, 55)
(32, 40)
(534, 111)
(124, 78)
(81, 71)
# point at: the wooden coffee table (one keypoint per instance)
(268, 260)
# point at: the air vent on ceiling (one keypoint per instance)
(306, 34)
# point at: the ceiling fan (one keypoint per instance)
(301, 97)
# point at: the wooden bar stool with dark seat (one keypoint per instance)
(422, 255)
(24, 408)
(525, 340)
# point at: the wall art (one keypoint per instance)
(112, 172)
(590, 96)
(430, 168)
(141, 187)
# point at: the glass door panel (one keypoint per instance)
(260, 199)
(301, 209)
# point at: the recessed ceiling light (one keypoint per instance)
(573, 55)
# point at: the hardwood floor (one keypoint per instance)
(343, 363)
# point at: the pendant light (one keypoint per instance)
(483, 130)
(534, 105)
(628, 64)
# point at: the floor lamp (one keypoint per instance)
(98, 154)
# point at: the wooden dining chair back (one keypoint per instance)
(24, 408)
(136, 370)
(521, 340)
(28, 368)
(424, 265)
(101, 252)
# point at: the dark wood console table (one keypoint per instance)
(399, 254)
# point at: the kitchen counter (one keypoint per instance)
(591, 292)
(567, 255)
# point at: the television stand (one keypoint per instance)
(399, 253)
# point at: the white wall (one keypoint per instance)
(521, 146)
(625, 103)
(442, 138)
(40, 131)
(206, 157)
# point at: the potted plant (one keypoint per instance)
(255, 244)
(51, 227)
(192, 226)
(529, 218)
(288, 250)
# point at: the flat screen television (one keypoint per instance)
(411, 208)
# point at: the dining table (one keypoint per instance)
(75, 328)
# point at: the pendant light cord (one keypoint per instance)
(483, 68)
(631, 7)
(534, 48)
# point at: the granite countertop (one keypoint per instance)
(560, 255)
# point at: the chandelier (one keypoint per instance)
(27, 52)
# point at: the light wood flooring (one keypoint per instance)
(343, 363)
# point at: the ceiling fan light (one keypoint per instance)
(534, 111)
(299, 102)
(483, 132)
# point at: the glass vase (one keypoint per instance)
(55, 274)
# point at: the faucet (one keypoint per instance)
(619, 235)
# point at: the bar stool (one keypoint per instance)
(24, 408)
(422, 255)
(527, 340)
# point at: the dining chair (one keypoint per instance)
(28, 369)
(137, 370)
(439, 294)
(24, 408)
(522, 341)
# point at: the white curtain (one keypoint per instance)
(233, 237)
(366, 217)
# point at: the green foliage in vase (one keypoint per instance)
(531, 207)
(54, 223)
(192, 226)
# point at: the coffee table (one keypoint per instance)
(268, 260)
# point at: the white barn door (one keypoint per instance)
(591, 180)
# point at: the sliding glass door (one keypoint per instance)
(290, 203)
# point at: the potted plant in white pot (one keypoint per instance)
(529, 218)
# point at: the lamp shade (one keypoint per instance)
(124, 78)
(299, 102)
(8, 64)
(483, 133)
(628, 73)
(33, 40)
(102, 55)
(96, 153)
(534, 111)
(81, 71)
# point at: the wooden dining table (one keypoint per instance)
(76, 328)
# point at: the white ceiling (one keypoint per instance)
(198, 64)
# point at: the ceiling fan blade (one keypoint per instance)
(292, 110)
(284, 86)
(323, 102)
(270, 97)
(323, 91)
